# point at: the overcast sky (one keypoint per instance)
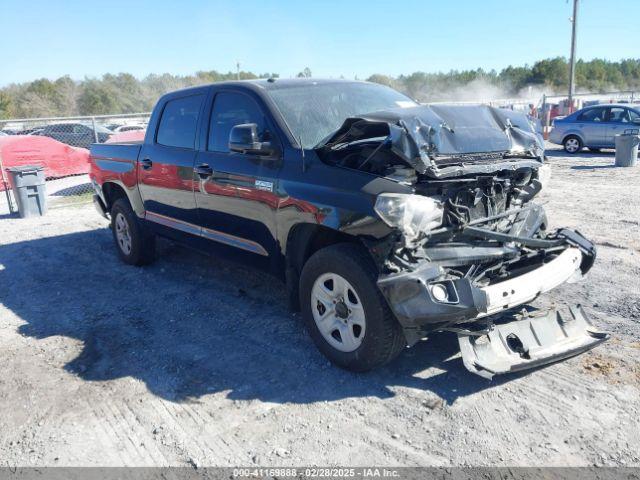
(337, 37)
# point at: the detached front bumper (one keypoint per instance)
(529, 341)
(423, 302)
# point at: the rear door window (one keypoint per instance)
(179, 121)
(592, 115)
(618, 115)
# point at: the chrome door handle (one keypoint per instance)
(146, 163)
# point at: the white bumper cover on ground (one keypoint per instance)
(529, 341)
(522, 289)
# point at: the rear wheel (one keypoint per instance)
(572, 144)
(344, 311)
(134, 243)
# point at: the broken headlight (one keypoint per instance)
(412, 214)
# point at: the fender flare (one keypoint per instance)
(573, 133)
(132, 194)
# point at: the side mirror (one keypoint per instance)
(244, 138)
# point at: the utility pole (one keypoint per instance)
(237, 70)
(572, 64)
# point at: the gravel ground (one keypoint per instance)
(196, 361)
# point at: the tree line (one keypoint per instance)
(124, 93)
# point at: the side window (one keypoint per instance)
(77, 128)
(592, 115)
(231, 109)
(618, 115)
(634, 116)
(179, 121)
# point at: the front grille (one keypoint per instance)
(468, 158)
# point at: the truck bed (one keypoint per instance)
(114, 162)
(116, 151)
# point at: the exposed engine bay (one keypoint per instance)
(439, 141)
(482, 166)
(470, 244)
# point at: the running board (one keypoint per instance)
(529, 341)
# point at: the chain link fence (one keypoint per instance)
(61, 146)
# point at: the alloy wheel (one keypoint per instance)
(572, 145)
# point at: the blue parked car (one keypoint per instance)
(594, 127)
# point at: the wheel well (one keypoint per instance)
(112, 192)
(303, 241)
(572, 135)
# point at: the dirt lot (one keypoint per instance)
(196, 361)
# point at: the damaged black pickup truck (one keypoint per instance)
(388, 220)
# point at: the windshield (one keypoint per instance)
(315, 110)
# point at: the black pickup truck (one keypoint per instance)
(386, 219)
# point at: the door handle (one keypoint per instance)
(146, 163)
(203, 171)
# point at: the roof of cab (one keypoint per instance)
(265, 84)
(275, 83)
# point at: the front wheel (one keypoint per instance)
(344, 311)
(572, 144)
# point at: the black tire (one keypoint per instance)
(383, 339)
(572, 144)
(142, 242)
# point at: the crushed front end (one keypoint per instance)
(471, 247)
(491, 255)
(481, 268)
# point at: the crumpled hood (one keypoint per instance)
(426, 135)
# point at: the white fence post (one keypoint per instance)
(95, 132)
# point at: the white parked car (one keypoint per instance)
(129, 128)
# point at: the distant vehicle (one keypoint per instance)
(386, 220)
(126, 137)
(30, 131)
(2, 134)
(129, 128)
(76, 134)
(125, 127)
(594, 127)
